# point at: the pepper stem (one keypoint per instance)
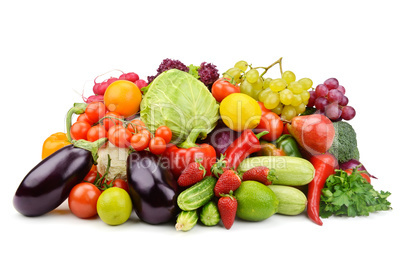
(191, 138)
(259, 135)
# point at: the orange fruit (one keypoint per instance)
(123, 97)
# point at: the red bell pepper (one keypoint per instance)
(240, 148)
(179, 156)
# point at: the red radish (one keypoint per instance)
(141, 83)
(133, 77)
(93, 98)
(100, 88)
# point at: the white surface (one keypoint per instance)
(50, 52)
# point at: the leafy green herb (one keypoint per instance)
(351, 195)
(193, 70)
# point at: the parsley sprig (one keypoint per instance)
(351, 195)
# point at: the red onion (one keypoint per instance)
(351, 164)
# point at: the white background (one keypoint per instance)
(51, 52)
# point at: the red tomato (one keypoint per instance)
(223, 88)
(135, 125)
(95, 111)
(120, 183)
(146, 133)
(157, 145)
(109, 122)
(96, 132)
(79, 130)
(271, 122)
(164, 132)
(140, 141)
(84, 117)
(285, 129)
(119, 136)
(364, 175)
(82, 200)
(91, 176)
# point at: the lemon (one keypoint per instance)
(255, 201)
(114, 206)
(240, 111)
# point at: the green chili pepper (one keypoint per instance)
(289, 145)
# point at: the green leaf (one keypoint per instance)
(351, 195)
(193, 70)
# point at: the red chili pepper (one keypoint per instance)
(240, 148)
(325, 165)
(178, 157)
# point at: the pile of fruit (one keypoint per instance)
(192, 146)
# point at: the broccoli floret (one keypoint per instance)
(344, 146)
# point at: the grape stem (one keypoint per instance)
(279, 61)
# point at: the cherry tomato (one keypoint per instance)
(84, 117)
(120, 183)
(139, 141)
(223, 88)
(135, 125)
(96, 132)
(271, 122)
(91, 176)
(157, 145)
(146, 133)
(164, 132)
(82, 200)
(120, 136)
(364, 175)
(79, 130)
(95, 111)
(109, 122)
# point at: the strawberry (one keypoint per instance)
(192, 174)
(228, 181)
(227, 206)
(261, 174)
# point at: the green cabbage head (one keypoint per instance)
(178, 100)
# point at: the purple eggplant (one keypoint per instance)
(152, 187)
(49, 183)
(220, 138)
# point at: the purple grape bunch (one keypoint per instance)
(329, 99)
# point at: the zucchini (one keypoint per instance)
(292, 201)
(186, 220)
(290, 170)
(197, 195)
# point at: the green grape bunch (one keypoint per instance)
(284, 96)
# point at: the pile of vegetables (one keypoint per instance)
(192, 146)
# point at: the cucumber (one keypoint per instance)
(186, 220)
(209, 214)
(290, 170)
(197, 195)
(292, 201)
